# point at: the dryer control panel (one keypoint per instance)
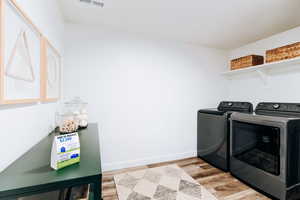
(273, 108)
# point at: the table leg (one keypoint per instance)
(97, 190)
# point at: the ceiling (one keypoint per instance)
(215, 23)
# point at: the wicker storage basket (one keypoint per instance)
(246, 61)
(283, 53)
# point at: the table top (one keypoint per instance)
(33, 168)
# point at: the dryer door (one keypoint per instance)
(257, 145)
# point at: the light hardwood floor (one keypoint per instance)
(219, 183)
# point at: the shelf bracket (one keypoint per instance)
(263, 76)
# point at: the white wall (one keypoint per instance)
(283, 84)
(22, 126)
(143, 93)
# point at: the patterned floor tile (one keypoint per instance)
(170, 182)
(138, 174)
(191, 189)
(206, 195)
(164, 193)
(145, 187)
(124, 192)
(152, 176)
(172, 172)
(187, 177)
(182, 196)
(137, 196)
(128, 181)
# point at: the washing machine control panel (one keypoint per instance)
(235, 106)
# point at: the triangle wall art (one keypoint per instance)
(30, 67)
(20, 59)
(20, 65)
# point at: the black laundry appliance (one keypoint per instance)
(213, 132)
(265, 149)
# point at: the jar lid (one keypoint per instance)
(75, 100)
(67, 114)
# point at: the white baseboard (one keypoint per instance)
(146, 161)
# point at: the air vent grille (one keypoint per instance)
(99, 3)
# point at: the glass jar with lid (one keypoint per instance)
(79, 110)
(67, 122)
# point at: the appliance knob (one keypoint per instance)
(276, 106)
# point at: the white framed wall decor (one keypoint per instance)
(20, 56)
(51, 72)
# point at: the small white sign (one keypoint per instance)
(65, 150)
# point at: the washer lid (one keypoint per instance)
(212, 111)
(235, 106)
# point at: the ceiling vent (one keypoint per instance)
(99, 3)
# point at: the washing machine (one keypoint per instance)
(213, 131)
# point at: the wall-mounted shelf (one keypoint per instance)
(262, 70)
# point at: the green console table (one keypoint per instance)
(31, 174)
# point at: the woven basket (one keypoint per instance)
(283, 53)
(246, 61)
